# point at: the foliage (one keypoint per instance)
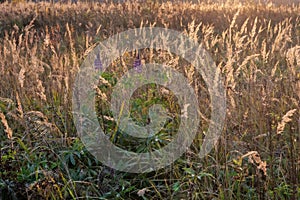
(255, 46)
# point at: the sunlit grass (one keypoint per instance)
(256, 46)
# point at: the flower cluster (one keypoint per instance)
(97, 63)
(137, 65)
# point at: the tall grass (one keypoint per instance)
(255, 46)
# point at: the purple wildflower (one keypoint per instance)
(137, 65)
(97, 63)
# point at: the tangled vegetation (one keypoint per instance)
(256, 47)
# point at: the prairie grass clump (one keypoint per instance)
(256, 47)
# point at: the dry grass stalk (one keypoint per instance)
(19, 106)
(293, 60)
(7, 129)
(285, 119)
(254, 158)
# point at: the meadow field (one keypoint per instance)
(256, 47)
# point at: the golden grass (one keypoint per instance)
(255, 46)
